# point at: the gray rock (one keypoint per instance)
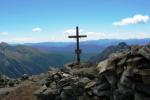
(139, 96)
(106, 93)
(83, 81)
(66, 81)
(91, 72)
(128, 95)
(145, 51)
(24, 77)
(11, 83)
(111, 77)
(47, 93)
(90, 85)
(68, 90)
(126, 78)
(40, 91)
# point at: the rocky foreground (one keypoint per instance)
(124, 75)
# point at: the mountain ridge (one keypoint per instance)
(19, 60)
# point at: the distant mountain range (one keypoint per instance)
(86, 46)
(18, 60)
(34, 58)
(106, 42)
(89, 48)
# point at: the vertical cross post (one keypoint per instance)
(78, 50)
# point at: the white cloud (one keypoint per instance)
(3, 33)
(137, 19)
(22, 39)
(90, 36)
(37, 29)
(126, 35)
(63, 37)
(72, 31)
(69, 31)
(102, 35)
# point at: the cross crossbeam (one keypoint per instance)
(78, 50)
(78, 36)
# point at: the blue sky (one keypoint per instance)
(53, 20)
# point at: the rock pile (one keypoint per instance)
(7, 82)
(74, 82)
(127, 74)
(6, 85)
(122, 76)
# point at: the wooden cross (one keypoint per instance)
(78, 50)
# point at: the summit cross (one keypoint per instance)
(78, 50)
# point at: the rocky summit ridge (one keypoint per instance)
(123, 75)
